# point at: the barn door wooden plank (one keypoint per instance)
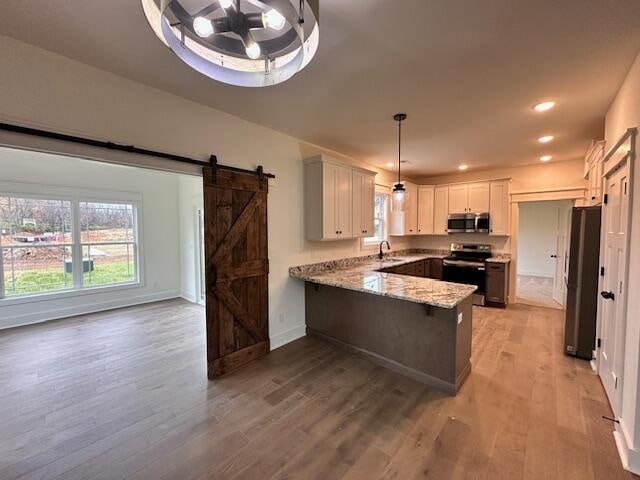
(239, 311)
(237, 268)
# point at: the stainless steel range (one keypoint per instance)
(466, 264)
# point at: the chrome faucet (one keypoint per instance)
(380, 255)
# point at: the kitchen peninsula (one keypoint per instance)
(420, 327)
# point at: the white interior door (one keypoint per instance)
(562, 234)
(612, 302)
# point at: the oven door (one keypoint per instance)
(460, 271)
(461, 223)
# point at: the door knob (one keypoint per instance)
(608, 295)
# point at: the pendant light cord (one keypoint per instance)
(399, 146)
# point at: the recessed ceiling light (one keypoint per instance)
(546, 138)
(544, 106)
(463, 167)
(390, 165)
(545, 158)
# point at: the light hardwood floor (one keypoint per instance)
(123, 394)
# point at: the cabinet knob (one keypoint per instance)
(337, 232)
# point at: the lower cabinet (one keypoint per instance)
(497, 286)
(435, 268)
(429, 268)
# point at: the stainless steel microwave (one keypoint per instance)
(468, 223)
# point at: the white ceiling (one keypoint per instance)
(466, 71)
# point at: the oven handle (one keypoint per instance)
(462, 263)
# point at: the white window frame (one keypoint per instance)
(368, 242)
(77, 195)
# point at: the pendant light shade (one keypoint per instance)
(248, 43)
(399, 194)
(397, 198)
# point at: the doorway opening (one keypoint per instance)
(543, 252)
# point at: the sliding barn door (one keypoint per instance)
(237, 268)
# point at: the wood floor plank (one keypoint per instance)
(124, 394)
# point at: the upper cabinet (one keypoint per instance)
(458, 198)
(338, 199)
(363, 203)
(593, 172)
(425, 209)
(469, 198)
(440, 209)
(478, 197)
(428, 207)
(499, 211)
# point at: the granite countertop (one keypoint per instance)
(362, 274)
(499, 259)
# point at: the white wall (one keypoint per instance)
(624, 113)
(158, 215)
(190, 197)
(537, 238)
(49, 91)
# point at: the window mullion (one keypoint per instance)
(76, 250)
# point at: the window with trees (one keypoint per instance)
(380, 219)
(57, 244)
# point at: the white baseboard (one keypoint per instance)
(535, 274)
(629, 457)
(288, 336)
(55, 314)
(189, 296)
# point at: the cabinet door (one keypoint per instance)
(496, 283)
(440, 210)
(436, 268)
(368, 204)
(330, 201)
(357, 204)
(478, 197)
(411, 210)
(499, 211)
(425, 210)
(598, 187)
(458, 198)
(343, 206)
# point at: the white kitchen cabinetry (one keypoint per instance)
(458, 198)
(428, 207)
(478, 197)
(499, 211)
(363, 203)
(329, 199)
(440, 210)
(425, 209)
(593, 172)
(469, 198)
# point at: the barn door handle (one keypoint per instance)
(608, 295)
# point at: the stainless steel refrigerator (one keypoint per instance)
(582, 282)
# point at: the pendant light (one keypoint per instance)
(248, 43)
(398, 196)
